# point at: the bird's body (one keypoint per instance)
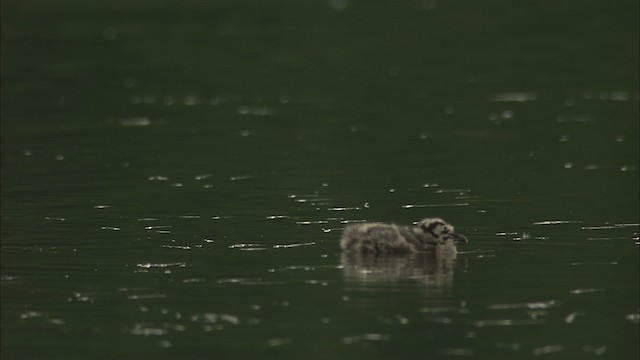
(431, 234)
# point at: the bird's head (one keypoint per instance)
(440, 232)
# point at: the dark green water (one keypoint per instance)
(176, 174)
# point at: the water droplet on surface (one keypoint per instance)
(109, 33)
(619, 96)
(164, 344)
(168, 100)
(141, 121)
(191, 100)
(428, 4)
(338, 5)
(129, 83)
(514, 97)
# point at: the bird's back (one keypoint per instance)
(376, 238)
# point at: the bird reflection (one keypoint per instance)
(434, 269)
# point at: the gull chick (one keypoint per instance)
(432, 234)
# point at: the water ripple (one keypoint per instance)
(457, 352)
(508, 322)
(411, 206)
(161, 265)
(293, 245)
(365, 337)
(547, 349)
(514, 96)
(529, 305)
(585, 291)
(556, 222)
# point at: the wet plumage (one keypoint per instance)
(428, 235)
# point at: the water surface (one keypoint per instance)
(175, 177)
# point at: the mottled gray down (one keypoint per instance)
(428, 235)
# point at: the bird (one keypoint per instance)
(429, 235)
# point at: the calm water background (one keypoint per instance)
(175, 176)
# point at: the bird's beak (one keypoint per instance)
(460, 239)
